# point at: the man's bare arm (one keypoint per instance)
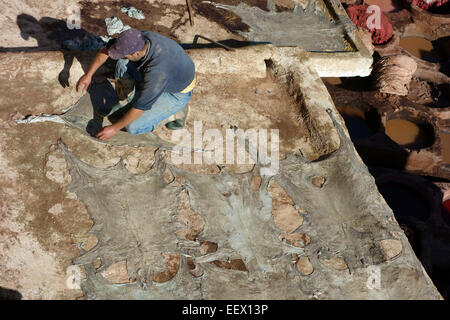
(99, 60)
(129, 117)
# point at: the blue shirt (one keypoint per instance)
(165, 68)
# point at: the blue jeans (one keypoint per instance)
(165, 106)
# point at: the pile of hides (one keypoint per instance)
(393, 74)
(429, 4)
(115, 25)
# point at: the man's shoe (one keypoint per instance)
(180, 119)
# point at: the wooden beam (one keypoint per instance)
(191, 11)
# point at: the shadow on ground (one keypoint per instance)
(8, 294)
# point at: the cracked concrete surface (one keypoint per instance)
(351, 231)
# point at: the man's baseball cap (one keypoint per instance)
(128, 42)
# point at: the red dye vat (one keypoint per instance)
(426, 5)
(360, 14)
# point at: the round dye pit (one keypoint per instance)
(410, 134)
(357, 122)
(404, 201)
(420, 48)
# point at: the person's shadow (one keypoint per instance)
(9, 294)
(54, 35)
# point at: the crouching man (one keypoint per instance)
(163, 77)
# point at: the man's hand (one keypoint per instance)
(107, 132)
(84, 83)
